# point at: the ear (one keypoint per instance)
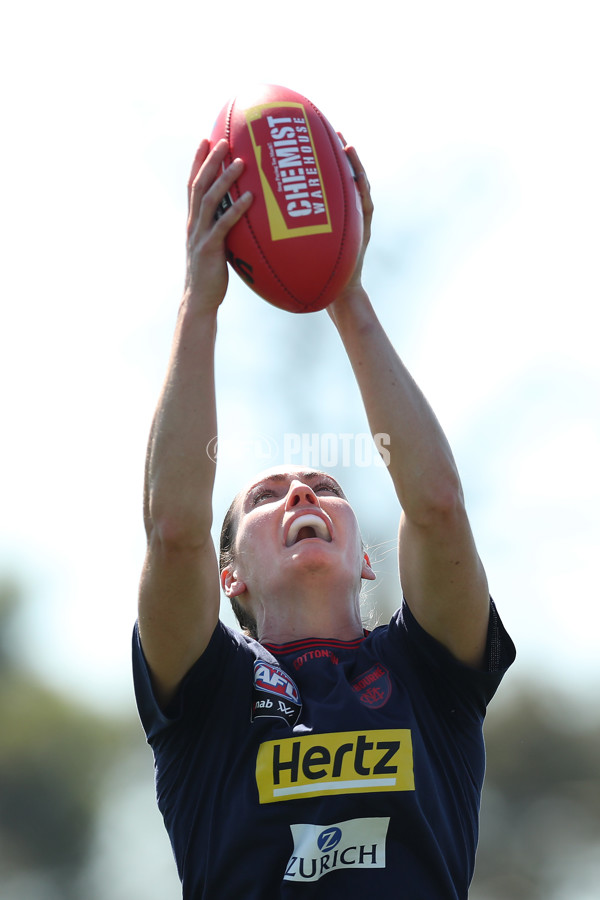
(367, 572)
(231, 585)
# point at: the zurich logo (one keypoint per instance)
(329, 839)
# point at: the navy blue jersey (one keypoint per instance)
(324, 768)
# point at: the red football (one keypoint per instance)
(297, 245)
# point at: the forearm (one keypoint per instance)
(179, 589)
(421, 464)
(179, 472)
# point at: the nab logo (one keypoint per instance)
(275, 681)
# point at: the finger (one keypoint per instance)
(215, 236)
(359, 169)
(360, 176)
(211, 166)
(201, 154)
(225, 223)
(220, 188)
(362, 182)
(216, 227)
(204, 174)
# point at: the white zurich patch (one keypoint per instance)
(319, 849)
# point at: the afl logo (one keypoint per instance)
(373, 687)
(275, 681)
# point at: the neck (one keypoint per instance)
(309, 611)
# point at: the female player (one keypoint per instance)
(317, 760)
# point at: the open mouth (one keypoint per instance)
(307, 526)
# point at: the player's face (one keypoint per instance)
(291, 519)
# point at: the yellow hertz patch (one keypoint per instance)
(349, 762)
(290, 174)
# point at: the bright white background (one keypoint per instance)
(477, 123)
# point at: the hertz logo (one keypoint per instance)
(348, 762)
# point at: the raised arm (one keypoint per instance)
(442, 577)
(179, 590)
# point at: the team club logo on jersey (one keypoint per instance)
(373, 688)
(319, 849)
(274, 694)
(346, 762)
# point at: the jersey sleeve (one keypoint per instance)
(452, 683)
(226, 654)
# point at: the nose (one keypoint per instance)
(300, 494)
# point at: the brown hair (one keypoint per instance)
(246, 621)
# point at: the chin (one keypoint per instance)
(312, 548)
(314, 560)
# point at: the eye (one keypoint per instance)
(261, 494)
(329, 486)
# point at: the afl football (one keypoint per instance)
(298, 243)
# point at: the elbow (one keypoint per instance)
(177, 530)
(441, 503)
